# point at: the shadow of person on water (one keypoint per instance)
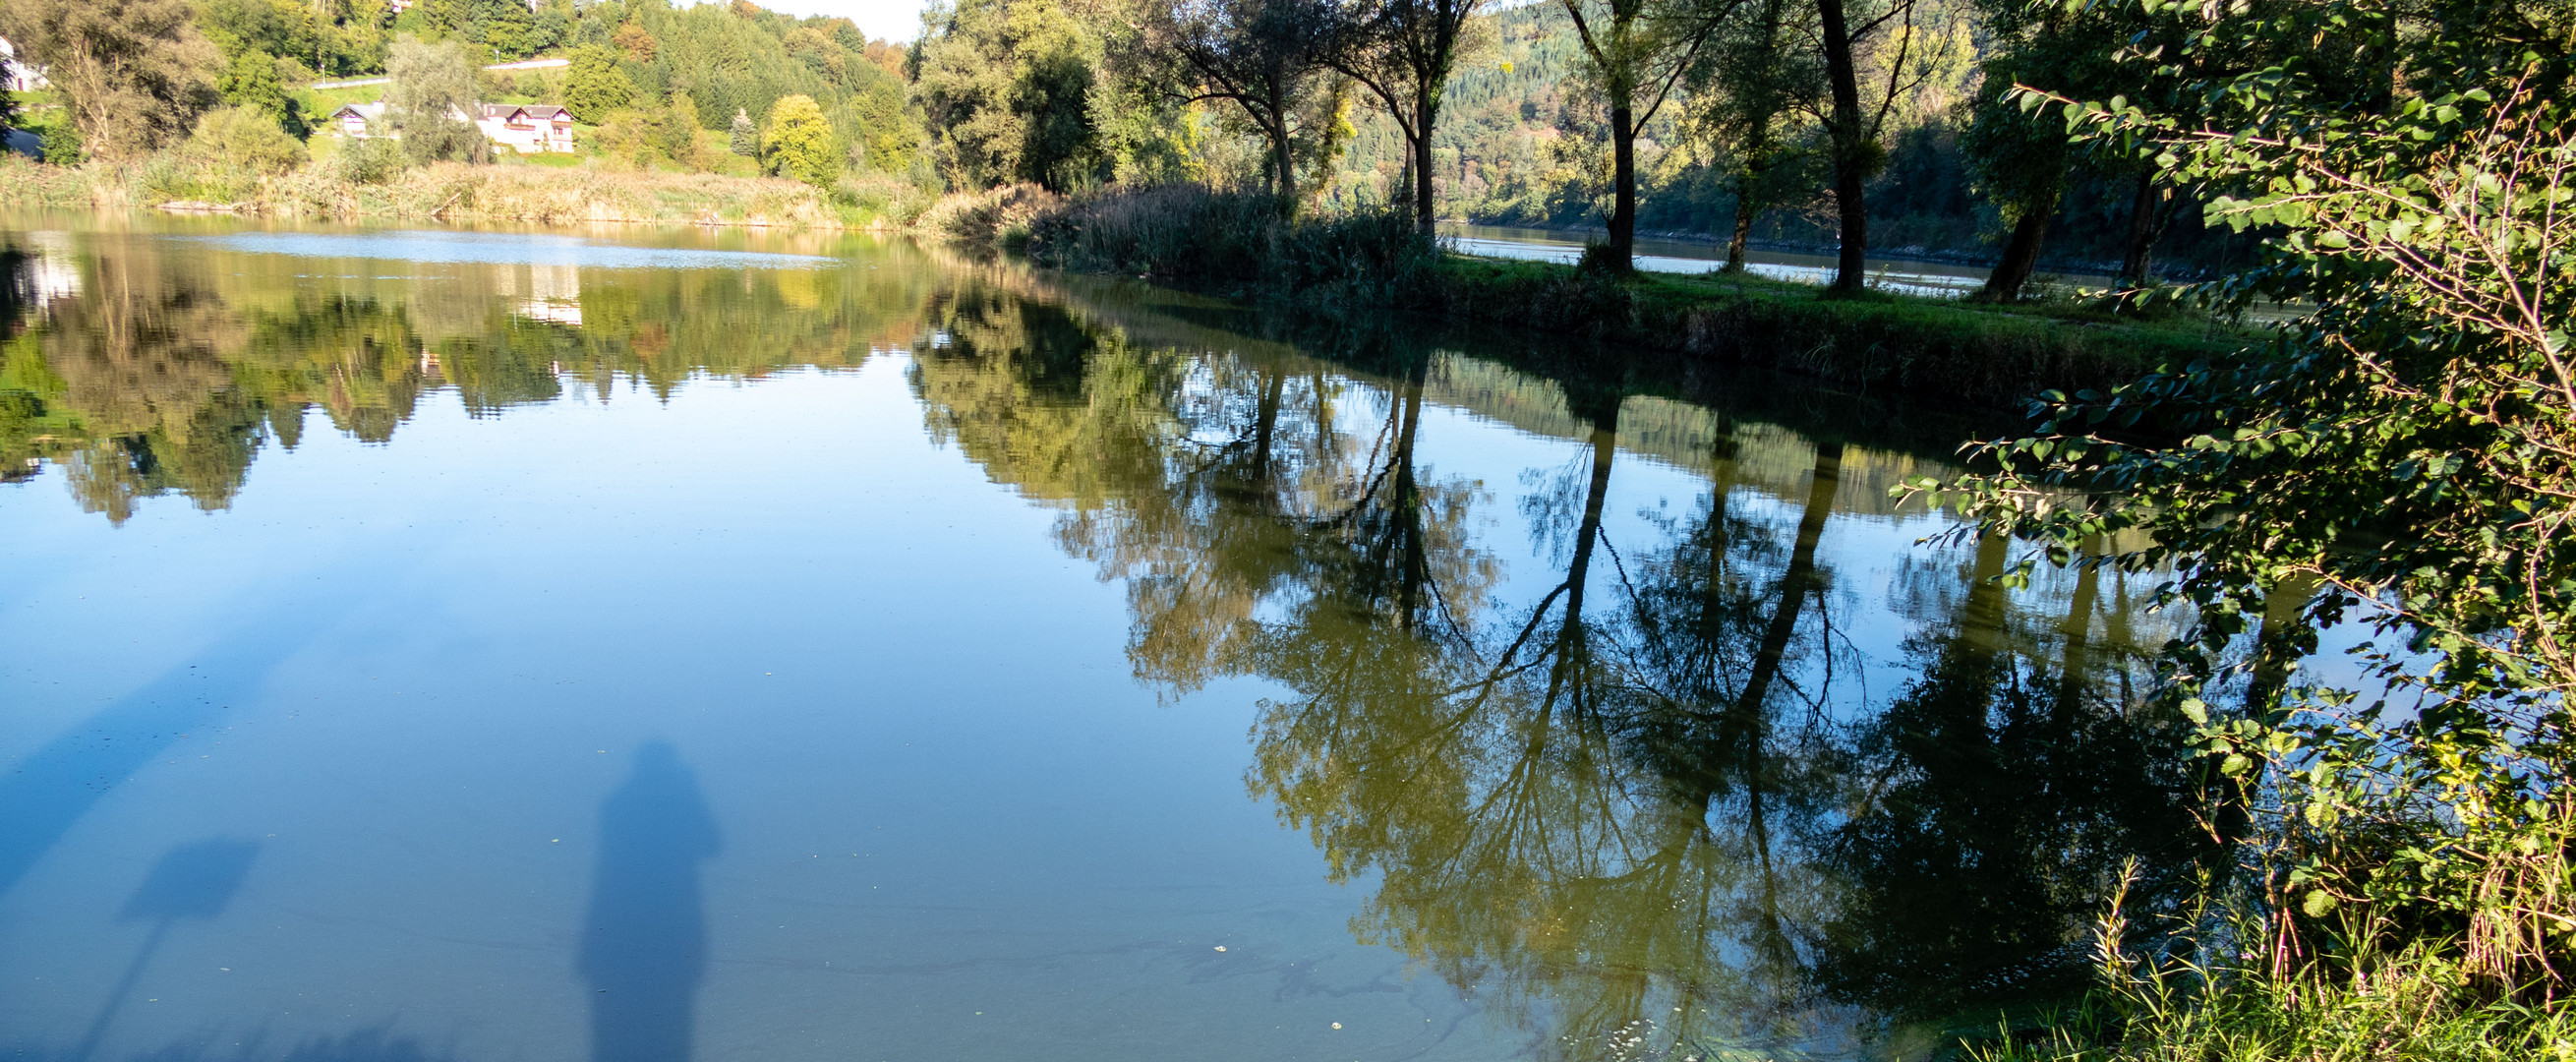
(644, 947)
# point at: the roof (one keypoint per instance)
(540, 111)
(364, 111)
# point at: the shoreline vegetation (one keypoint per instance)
(1233, 243)
(451, 191)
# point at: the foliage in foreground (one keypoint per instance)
(2401, 462)
(2417, 1005)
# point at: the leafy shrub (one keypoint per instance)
(244, 139)
(371, 160)
(1195, 234)
(63, 144)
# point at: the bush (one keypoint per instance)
(371, 160)
(244, 139)
(232, 151)
(1198, 234)
(63, 144)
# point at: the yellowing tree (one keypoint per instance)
(799, 142)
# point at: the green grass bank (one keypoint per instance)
(1352, 265)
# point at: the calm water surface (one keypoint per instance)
(635, 646)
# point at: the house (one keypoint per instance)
(352, 119)
(16, 77)
(528, 129)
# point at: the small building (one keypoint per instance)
(16, 76)
(352, 119)
(528, 129)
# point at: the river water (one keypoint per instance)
(661, 646)
(1907, 276)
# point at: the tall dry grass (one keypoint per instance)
(461, 192)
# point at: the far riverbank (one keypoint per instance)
(1362, 265)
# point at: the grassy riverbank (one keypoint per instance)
(518, 192)
(1233, 244)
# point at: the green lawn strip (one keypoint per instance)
(1985, 354)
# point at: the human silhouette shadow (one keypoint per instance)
(644, 948)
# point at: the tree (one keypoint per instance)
(799, 142)
(1635, 54)
(430, 102)
(1006, 85)
(2020, 164)
(1259, 55)
(251, 81)
(745, 135)
(1746, 96)
(636, 41)
(510, 27)
(132, 74)
(594, 86)
(1852, 124)
(1402, 52)
(2404, 454)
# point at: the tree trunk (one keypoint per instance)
(1283, 165)
(1849, 140)
(1623, 184)
(1795, 580)
(2142, 234)
(1423, 111)
(1743, 231)
(2021, 255)
(1605, 449)
(1413, 566)
(1266, 422)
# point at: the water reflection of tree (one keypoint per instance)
(1586, 816)
(168, 367)
(1629, 810)
(2006, 791)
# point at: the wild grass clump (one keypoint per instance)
(999, 217)
(2236, 990)
(880, 201)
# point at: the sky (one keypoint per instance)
(893, 20)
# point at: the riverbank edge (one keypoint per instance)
(458, 192)
(1998, 357)
(1979, 259)
(1235, 244)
